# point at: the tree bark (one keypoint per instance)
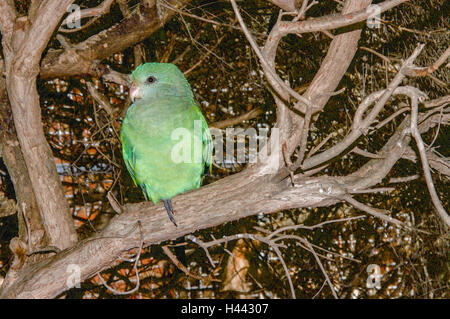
(82, 58)
(17, 169)
(22, 56)
(231, 198)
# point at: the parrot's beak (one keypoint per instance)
(134, 92)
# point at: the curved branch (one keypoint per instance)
(234, 197)
(414, 95)
(335, 64)
(83, 57)
(231, 198)
(361, 125)
(21, 73)
(95, 12)
(334, 22)
(7, 18)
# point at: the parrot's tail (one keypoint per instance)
(169, 209)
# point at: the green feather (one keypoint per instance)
(149, 130)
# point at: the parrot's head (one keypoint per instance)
(153, 80)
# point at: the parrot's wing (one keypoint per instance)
(129, 158)
(207, 142)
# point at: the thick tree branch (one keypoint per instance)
(22, 67)
(234, 197)
(229, 199)
(84, 56)
(7, 17)
(340, 54)
(17, 169)
(244, 194)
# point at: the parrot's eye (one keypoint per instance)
(151, 79)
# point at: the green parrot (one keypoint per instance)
(166, 143)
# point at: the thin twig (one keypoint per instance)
(391, 117)
(114, 203)
(76, 16)
(422, 71)
(319, 262)
(288, 162)
(265, 64)
(138, 256)
(192, 68)
(405, 179)
(180, 266)
(294, 227)
(304, 139)
(238, 119)
(382, 214)
(27, 225)
(286, 270)
(423, 156)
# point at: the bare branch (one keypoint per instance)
(238, 119)
(359, 125)
(288, 5)
(100, 99)
(180, 266)
(334, 22)
(415, 96)
(382, 214)
(138, 256)
(397, 147)
(262, 239)
(142, 22)
(406, 179)
(327, 278)
(21, 74)
(231, 198)
(280, 84)
(340, 54)
(445, 100)
(95, 12)
(7, 17)
(436, 162)
(417, 71)
(14, 161)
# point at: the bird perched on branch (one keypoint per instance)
(166, 143)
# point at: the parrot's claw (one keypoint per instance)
(169, 209)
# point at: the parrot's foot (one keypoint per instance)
(169, 209)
